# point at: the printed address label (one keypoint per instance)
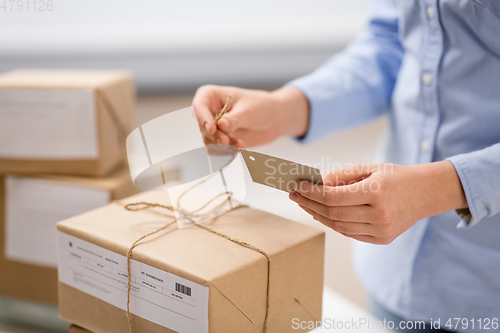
(158, 296)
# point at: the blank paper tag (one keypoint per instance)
(278, 173)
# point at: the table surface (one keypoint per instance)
(339, 308)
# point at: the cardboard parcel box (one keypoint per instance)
(188, 280)
(77, 329)
(30, 207)
(64, 121)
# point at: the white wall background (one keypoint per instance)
(172, 45)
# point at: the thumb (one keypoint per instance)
(348, 175)
(236, 118)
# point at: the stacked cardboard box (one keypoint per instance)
(64, 121)
(55, 122)
(30, 207)
(76, 329)
(191, 279)
(62, 152)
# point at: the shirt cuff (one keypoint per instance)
(313, 132)
(468, 216)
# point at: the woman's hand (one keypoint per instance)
(376, 203)
(255, 117)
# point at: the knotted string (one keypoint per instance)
(145, 205)
(191, 215)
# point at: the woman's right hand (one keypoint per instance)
(255, 117)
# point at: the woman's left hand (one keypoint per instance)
(376, 203)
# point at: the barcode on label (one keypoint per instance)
(182, 289)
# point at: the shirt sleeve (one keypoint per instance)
(479, 172)
(356, 85)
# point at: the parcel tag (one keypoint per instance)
(278, 173)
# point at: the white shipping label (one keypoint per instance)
(33, 206)
(158, 296)
(48, 124)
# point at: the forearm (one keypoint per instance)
(439, 187)
(292, 110)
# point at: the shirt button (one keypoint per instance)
(427, 79)
(430, 12)
(424, 145)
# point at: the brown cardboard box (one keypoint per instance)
(92, 249)
(43, 118)
(77, 329)
(29, 280)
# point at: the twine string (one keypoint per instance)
(224, 109)
(129, 255)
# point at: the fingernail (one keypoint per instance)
(218, 141)
(207, 127)
(295, 187)
(294, 196)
